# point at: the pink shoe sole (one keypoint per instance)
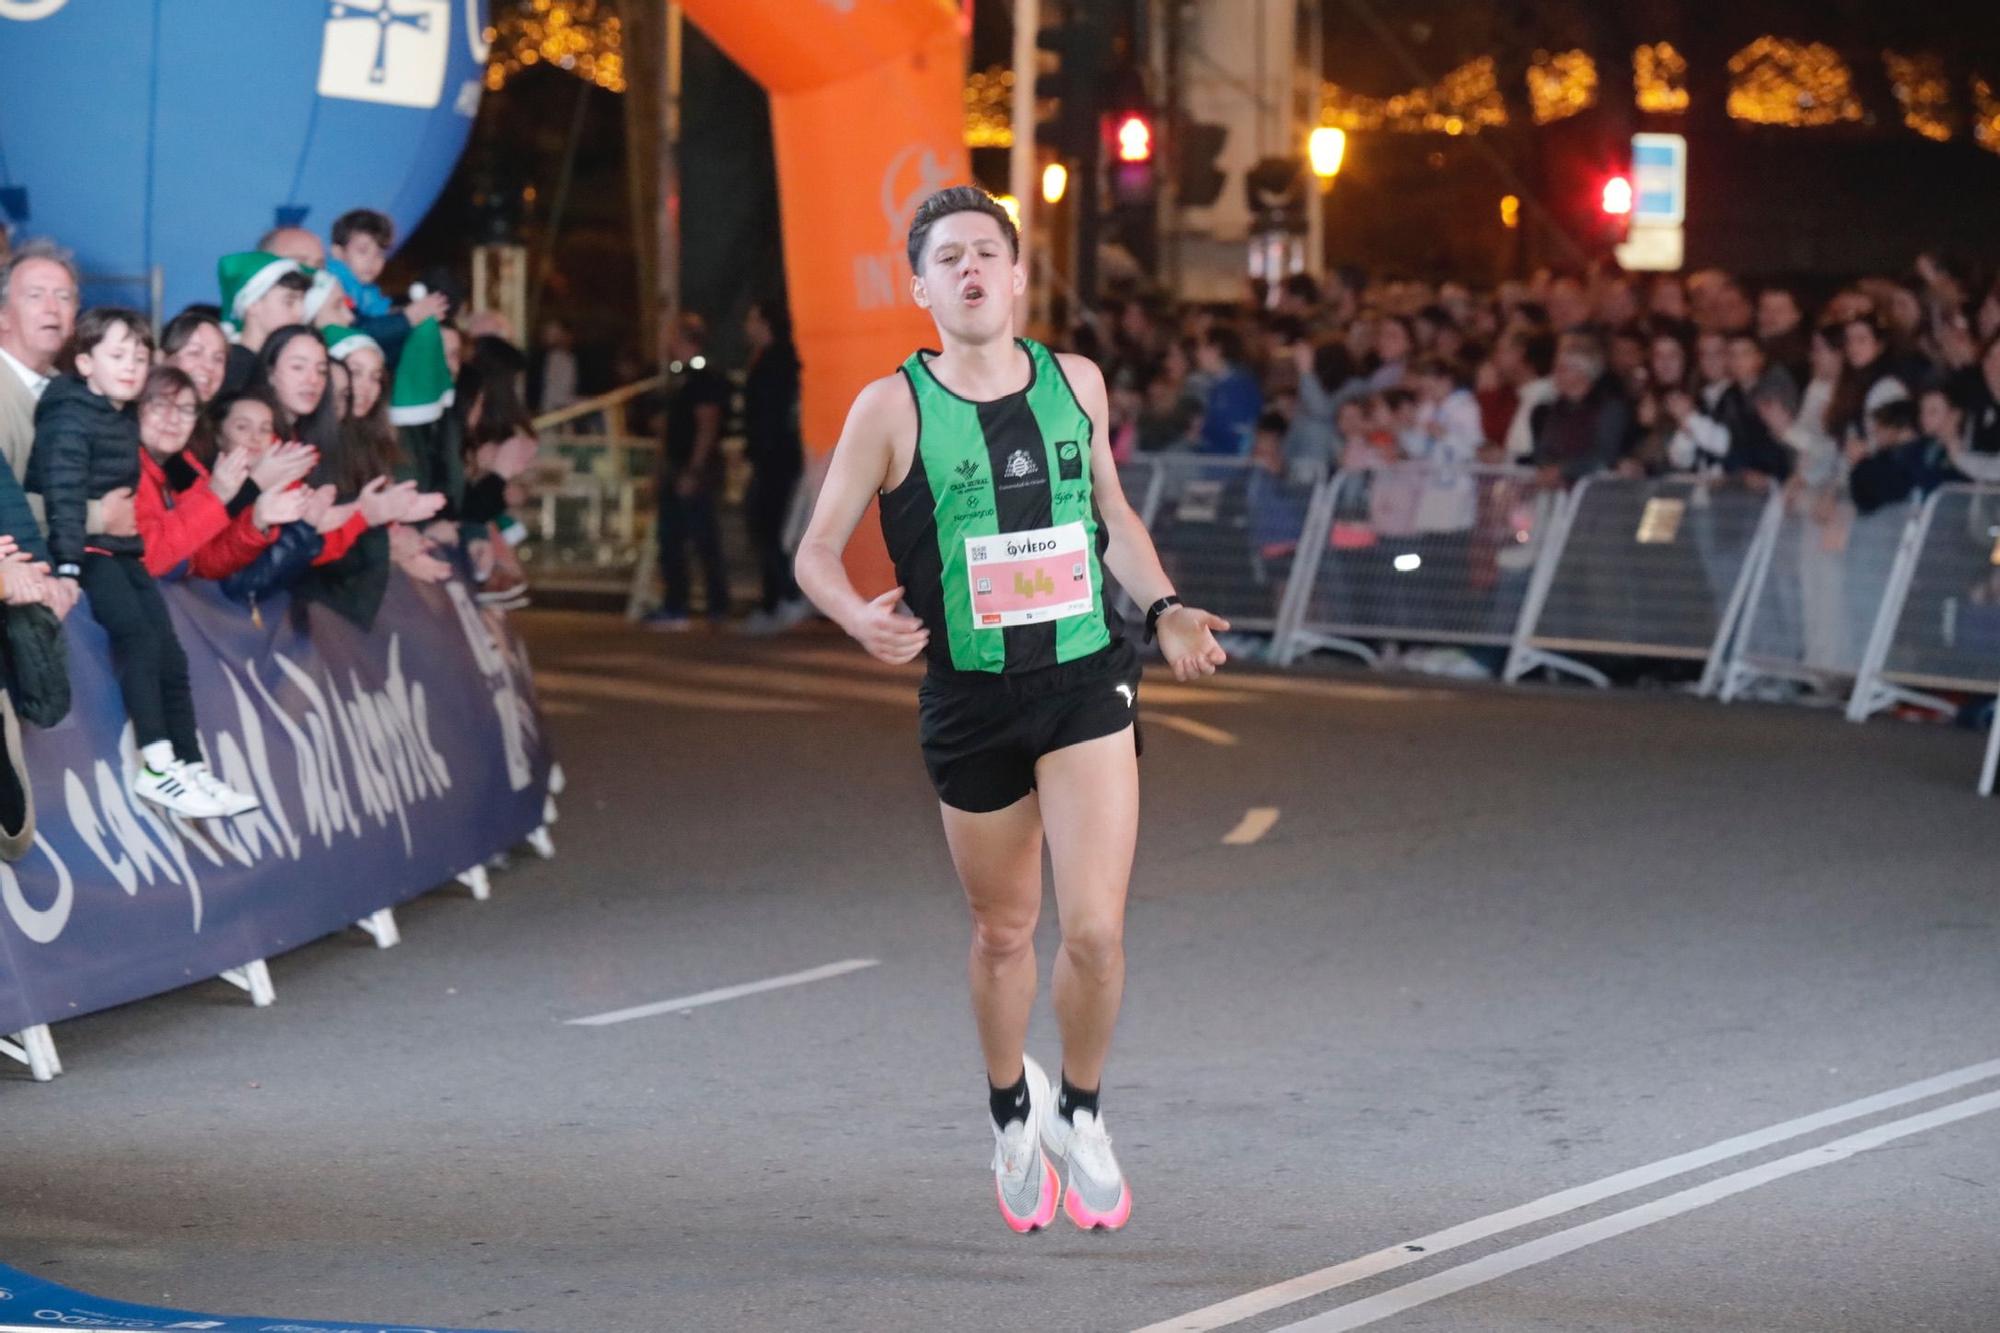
(1045, 1208)
(1080, 1214)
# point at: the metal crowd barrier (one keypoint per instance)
(1419, 552)
(1813, 602)
(1141, 479)
(1229, 532)
(1653, 568)
(1939, 624)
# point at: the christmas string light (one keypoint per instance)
(1465, 101)
(989, 97)
(1659, 78)
(1561, 85)
(584, 37)
(1924, 89)
(1985, 115)
(1776, 81)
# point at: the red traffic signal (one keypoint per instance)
(1616, 200)
(1135, 139)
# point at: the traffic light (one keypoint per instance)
(1198, 180)
(1276, 189)
(1135, 138)
(1079, 47)
(1614, 209)
(1132, 181)
(1615, 200)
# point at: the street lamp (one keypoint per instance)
(1326, 148)
(1055, 183)
(1012, 205)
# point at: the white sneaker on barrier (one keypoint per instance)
(232, 801)
(174, 789)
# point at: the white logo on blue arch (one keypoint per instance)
(27, 11)
(388, 51)
(913, 175)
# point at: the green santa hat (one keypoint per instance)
(423, 381)
(325, 287)
(245, 278)
(342, 343)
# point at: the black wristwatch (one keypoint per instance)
(1155, 611)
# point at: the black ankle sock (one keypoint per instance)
(1074, 1099)
(1008, 1104)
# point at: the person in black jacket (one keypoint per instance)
(86, 445)
(777, 459)
(1900, 460)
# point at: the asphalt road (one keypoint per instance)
(1497, 945)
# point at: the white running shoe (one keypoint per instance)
(1097, 1195)
(1023, 1177)
(175, 789)
(232, 801)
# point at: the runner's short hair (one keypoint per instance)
(958, 199)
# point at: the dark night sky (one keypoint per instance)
(1826, 202)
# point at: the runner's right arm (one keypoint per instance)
(857, 472)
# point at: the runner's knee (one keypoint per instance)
(1095, 945)
(1000, 939)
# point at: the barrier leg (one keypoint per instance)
(36, 1049)
(1992, 765)
(544, 845)
(1290, 642)
(381, 926)
(44, 1039)
(1733, 629)
(255, 978)
(1871, 695)
(1523, 656)
(475, 879)
(641, 590)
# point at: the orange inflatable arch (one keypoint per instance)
(867, 111)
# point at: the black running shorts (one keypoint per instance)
(981, 737)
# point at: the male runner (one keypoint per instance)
(1001, 509)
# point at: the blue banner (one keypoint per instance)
(387, 761)
(29, 1303)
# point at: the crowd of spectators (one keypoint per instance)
(1848, 400)
(305, 433)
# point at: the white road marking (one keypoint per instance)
(1170, 691)
(1254, 1303)
(1189, 727)
(1348, 691)
(814, 684)
(672, 696)
(805, 673)
(708, 997)
(1256, 822)
(1453, 1280)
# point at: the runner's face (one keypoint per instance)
(970, 279)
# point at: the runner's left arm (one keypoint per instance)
(1187, 635)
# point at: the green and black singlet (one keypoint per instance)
(995, 533)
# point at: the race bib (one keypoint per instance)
(1029, 578)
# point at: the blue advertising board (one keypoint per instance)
(387, 760)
